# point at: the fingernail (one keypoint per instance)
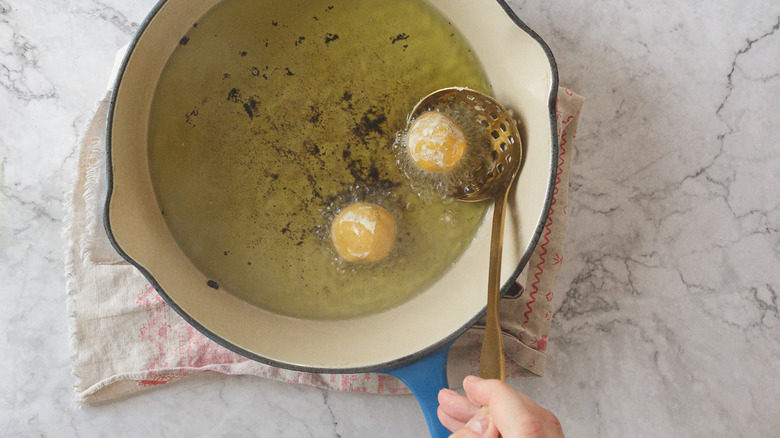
(446, 392)
(479, 422)
(473, 378)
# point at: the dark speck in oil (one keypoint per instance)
(313, 184)
(234, 95)
(331, 37)
(190, 117)
(243, 53)
(311, 147)
(250, 108)
(250, 104)
(212, 284)
(399, 37)
(347, 98)
(368, 175)
(289, 73)
(372, 122)
(316, 115)
(184, 41)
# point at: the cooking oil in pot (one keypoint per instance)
(272, 117)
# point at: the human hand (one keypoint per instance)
(492, 408)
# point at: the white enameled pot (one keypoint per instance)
(523, 75)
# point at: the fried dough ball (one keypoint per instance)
(435, 142)
(363, 233)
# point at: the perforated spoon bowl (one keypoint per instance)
(489, 181)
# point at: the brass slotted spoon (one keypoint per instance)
(488, 181)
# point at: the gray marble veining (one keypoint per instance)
(667, 320)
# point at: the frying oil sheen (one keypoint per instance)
(268, 120)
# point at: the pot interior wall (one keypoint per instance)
(520, 72)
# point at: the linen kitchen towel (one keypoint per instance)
(125, 339)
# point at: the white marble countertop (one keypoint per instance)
(667, 319)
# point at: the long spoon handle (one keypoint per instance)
(491, 359)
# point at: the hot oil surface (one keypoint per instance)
(269, 119)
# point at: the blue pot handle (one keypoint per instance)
(425, 377)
